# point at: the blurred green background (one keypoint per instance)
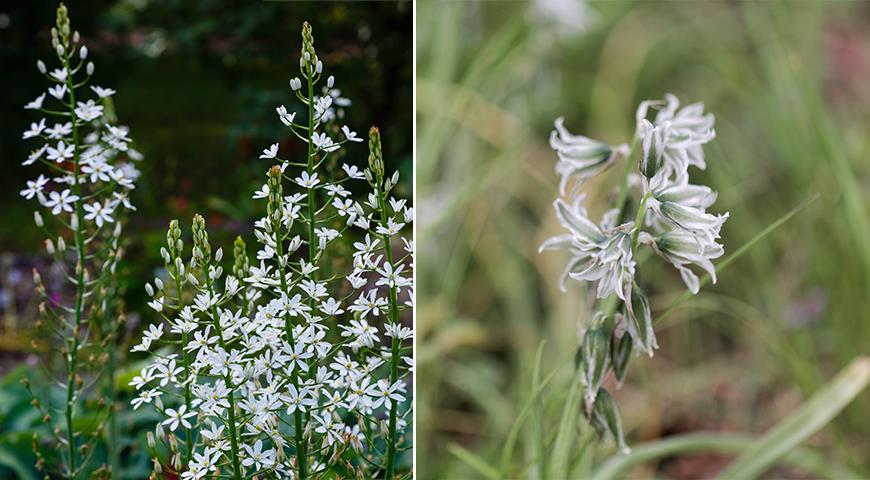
(198, 83)
(789, 83)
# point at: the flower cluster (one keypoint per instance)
(84, 193)
(293, 365)
(671, 218)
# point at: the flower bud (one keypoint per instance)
(376, 161)
(83, 52)
(330, 81)
(149, 439)
(76, 36)
(40, 65)
(640, 325)
(149, 289)
(90, 68)
(605, 419)
(295, 83)
(59, 49)
(592, 361)
(37, 218)
(61, 244)
(158, 283)
(219, 254)
(620, 349)
(74, 222)
(49, 246)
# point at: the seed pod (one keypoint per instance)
(605, 419)
(640, 325)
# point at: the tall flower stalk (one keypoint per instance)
(284, 373)
(90, 159)
(670, 218)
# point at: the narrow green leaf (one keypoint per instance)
(533, 401)
(473, 461)
(567, 430)
(800, 425)
(805, 459)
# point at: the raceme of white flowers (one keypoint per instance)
(81, 194)
(295, 364)
(671, 218)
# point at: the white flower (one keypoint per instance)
(353, 172)
(257, 457)
(384, 393)
(674, 140)
(35, 104)
(350, 135)
(323, 142)
(580, 157)
(59, 131)
(153, 333)
(35, 129)
(88, 111)
(307, 181)
(103, 92)
(34, 187)
(62, 201)
(59, 74)
(178, 417)
(270, 152)
(57, 91)
(286, 118)
(61, 152)
(99, 212)
(145, 397)
(34, 156)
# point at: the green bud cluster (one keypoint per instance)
(376, 159)
(276, 193)
(61, 32)
(241, 264)
(174, 243)
(201, 247)
(308, 62)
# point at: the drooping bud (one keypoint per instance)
(621, 346)
(376, 160)
(593, 360)
(640, 324)
(605, 419)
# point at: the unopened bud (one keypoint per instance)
(49, 246)
(330, 81)
(89, 68)
(376, 161)
(59, 49)
(37, 218)
(158, 283)
(40, 65)
(83, 52)
(61, 244)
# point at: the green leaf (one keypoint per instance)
(567, 430)
(535, 402)
(12, 460)
(800, 425)
(802, 458)
(473, 461)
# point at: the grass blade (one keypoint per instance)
(473, 461)
(805, 459)
(567, 430)
(810, 418)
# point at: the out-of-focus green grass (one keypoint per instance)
(788, 83)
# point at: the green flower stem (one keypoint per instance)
(72, 363)
(394, 318)
(638, 221)
(186, 359)
(234, 443)
(301, 448)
